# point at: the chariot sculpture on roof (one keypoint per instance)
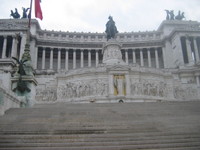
(171, 16)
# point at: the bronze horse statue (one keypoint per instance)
(111, 29)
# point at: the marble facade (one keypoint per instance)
(161, 65)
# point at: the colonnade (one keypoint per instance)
(145, 57)
(9, 46)
(198, 80)
(190, 49)
(65, 59)
(49, 58)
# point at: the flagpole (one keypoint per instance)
(29, 22)
(26, 55)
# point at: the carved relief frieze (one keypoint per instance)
(82, 88)
(149, 88)
(46, 95)
(185, 93)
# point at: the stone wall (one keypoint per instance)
(97, 85)
(9, 100)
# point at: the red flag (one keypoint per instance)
(38, 11)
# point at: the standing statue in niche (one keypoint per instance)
(111, 29)
(119, 85)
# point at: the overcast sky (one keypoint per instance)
(92, 15)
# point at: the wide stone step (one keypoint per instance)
(103, 146)
(98, 137)
(147, 126)
(96, 141)
(102, 141)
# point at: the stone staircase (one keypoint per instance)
(119, 126)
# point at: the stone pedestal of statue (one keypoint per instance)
(112, 53)
(25, 85)
(31, 84)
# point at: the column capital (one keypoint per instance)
(126, 49)
(14, 36)
(148, 48)
(59, 49)
(66, 49)
(194, 37)
(187, 37)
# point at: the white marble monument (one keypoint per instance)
(161, 65)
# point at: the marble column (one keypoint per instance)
(43, 58)
(128, 91)
(4, 47)
(141, 57)
(23, 42)
(197, 80)
(97, 58)
(36, 58)
(111, 85)
(82, 59)
(134, 58)
(164, 57)
(149, 57)
(74, 59)
(51, 59)
(126, 56)
(66, 59)
(156, 55)
(189, 50)
(89, 58)
(196, 50)
(14, 47)
(59, 59)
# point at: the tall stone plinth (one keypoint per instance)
(112, 53)
(117, 69)
(31, 84)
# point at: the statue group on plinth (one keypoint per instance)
(15, 14)
(171, 16)
(111, 29)
(112, 48)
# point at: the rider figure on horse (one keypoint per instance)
(111, 29)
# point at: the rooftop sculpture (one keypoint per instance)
(171, 16)
(16, 14)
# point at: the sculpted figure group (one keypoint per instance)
(16, 14)
(171, 16)
(82, 89)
